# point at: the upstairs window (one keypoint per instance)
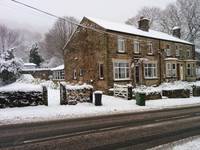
(188, 53)
(177, 51)
(168, 50)
(136, 47)
(101, 72)
(121, 45)
(150, 48)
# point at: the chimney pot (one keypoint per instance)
(177, 32)
(143, 24)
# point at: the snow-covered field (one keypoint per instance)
(111, 105)
(191, 143)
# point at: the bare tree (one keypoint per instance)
(8, 38)
(56, 38)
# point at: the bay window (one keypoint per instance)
(171, 70)
(190, 70)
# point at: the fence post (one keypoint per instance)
(91, 95)
(63, 99)
(45, 95)
(130, 93)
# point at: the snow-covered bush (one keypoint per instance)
(10, 67)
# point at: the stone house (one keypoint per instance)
(123, 54)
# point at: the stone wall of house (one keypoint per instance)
(23, 99)
(87, 49)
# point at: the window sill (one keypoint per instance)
(118, 52)
(137, 53)
(122, 79)
(150, 54)
(156, 78)
(101, 78)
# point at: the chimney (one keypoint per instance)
(177, 32)
(143, 24)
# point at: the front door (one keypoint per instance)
(137, 74)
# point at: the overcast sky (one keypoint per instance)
(113, 10)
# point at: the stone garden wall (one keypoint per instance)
(72, 94)
(178, 93)
(23, 98)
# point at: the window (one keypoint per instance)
(74, 75)
(58, 75)
(177, 51)
(81, 72)
(121, 45)
(150, 70)
(150, 48)
(190, 70)
(121, 70)
(101, 72)
(171, 70)
(188, 54)
(136, 47)
(168, 50)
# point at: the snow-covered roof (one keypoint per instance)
(120, 27)
(61, 67)
(29, 64)
(36, 69)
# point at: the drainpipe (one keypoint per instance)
(160, 62)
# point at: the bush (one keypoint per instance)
(10, 67)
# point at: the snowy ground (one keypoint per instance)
(191, 143)
(111, 105)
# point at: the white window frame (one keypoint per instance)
(75, 74)
(58, 75)
(150, 67)
(136, 46)
(191, 70)
(101, 74)
(121, 46)
(188, 52)
(150, 48)
(117, 69)
(170, 71)
(81, 72)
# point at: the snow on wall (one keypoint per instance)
(23, 87)
(76, 86)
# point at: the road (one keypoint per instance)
(124, 131)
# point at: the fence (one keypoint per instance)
(123, 91)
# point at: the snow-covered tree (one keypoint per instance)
(34, 56)
(10, 67)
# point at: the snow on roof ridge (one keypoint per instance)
(60, 67)
(122, 27)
